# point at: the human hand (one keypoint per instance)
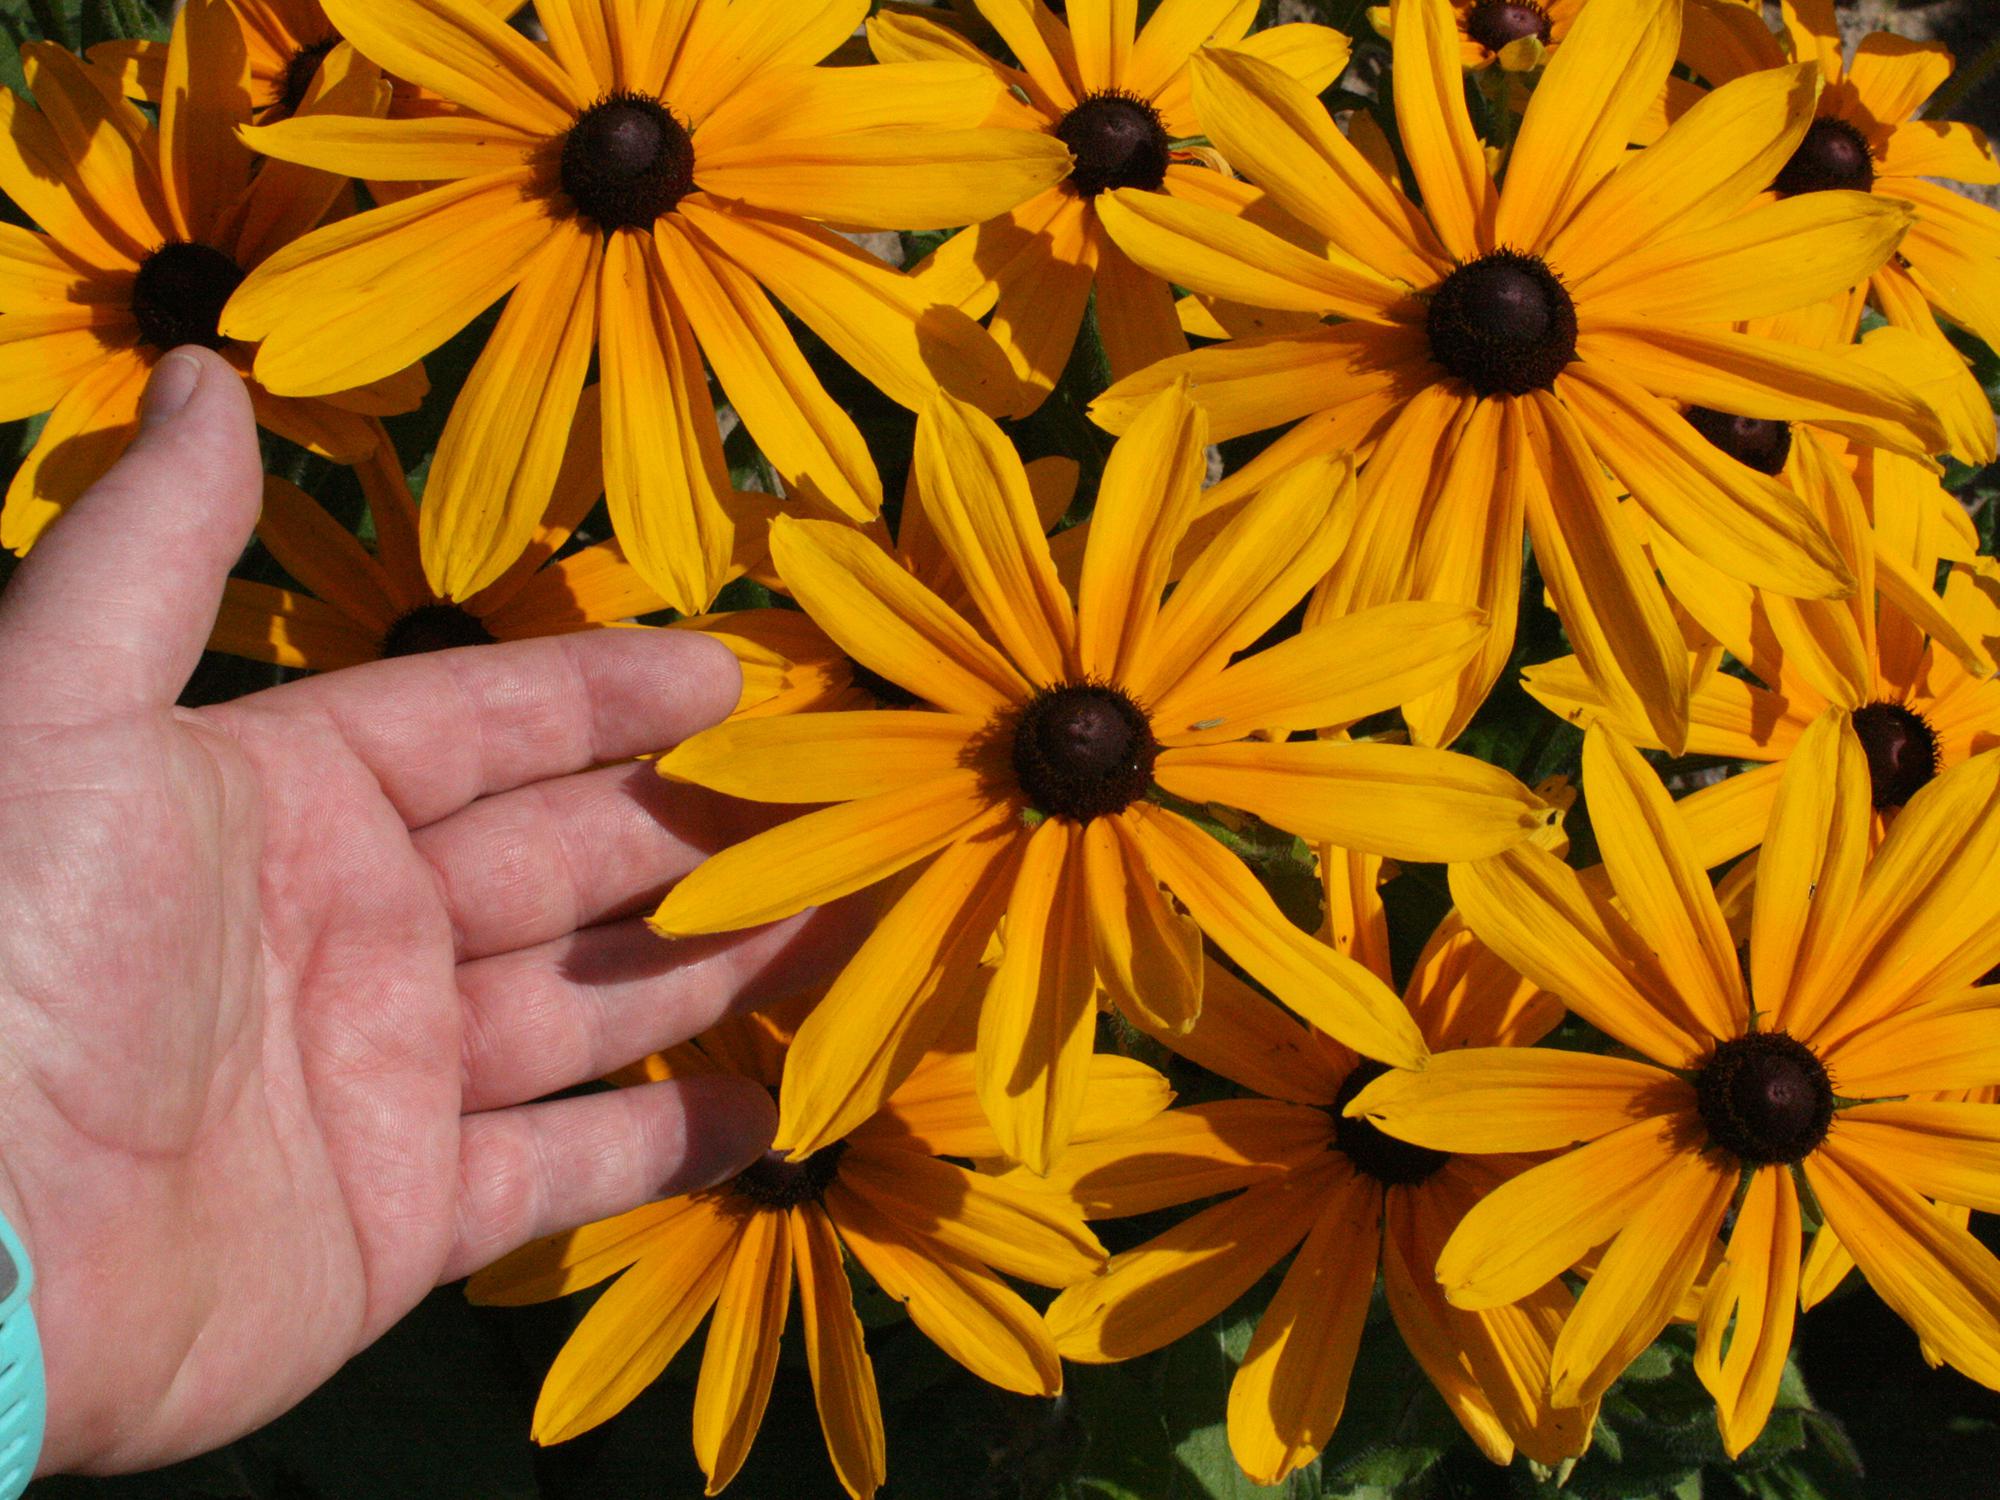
(277, 977)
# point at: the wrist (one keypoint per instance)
(23, 1389)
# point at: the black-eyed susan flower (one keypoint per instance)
(1116, 94)
(354, 605)
(1509, 356)
(892, 1192)
(147, 232)
(637, 188)
(1348, 1198)
(1912, 670)
(1861, 989)
(1866, 136)
(1030, 776)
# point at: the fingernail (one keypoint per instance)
(173, 383)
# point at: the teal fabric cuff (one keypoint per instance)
(23, 1394)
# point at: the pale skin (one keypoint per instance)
(280, 979)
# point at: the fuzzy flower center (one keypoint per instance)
(1495, 23)
(178, 295)
(772, 1181)
(1504, 324)
(1759, 444)
(300, 72)
(626, 161)
(1765, 1099)
(1833, 155)
(1118, 141)
(1083, 751)
(1902, 751)
(1391, 1162)
(434, 627)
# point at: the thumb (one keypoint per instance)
(111, 609)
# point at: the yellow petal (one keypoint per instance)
(468, 54)
(727, 46)
(559, 1264)
(1936, 1276)
(1485, 1099)
(1275, 131)
(1327, 988)
(1148, 1297)
(1403, 801)
(850, 1412)
(1145, 501)
(1291, 1388)
(1662, 885)
(503, 444)
(1949, 1042)
(1607, 73)
(875, 318)
(1754, 1289)
(889, 177)
(635, 1328)
(889, 622)
(1251, 1042)
(1445, 154)
(909, 979)
(1716, 159)
(1325, 676)
(1221, 255)
(1533, 910)
(824, 855)
(742, 1352)
(1815, 847)
(1147, 955)
(83, 437)
(1182, 1155)
(1039, 1016)
(977, 500)
(1017, 1231)
(440, 148)
(362, 298)
(206, 96)
(1604, 589)
(964, 1308)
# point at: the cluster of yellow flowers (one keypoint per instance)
(1623, 324)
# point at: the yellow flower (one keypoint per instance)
(1356, 1198)
(1031, 776)
(148, 231)
(1861, 989)
(354, 605)
(1912, 671)
(1866, 136)
(1116, 95)
(636, 188)
(934, 1235)
(1505, 348)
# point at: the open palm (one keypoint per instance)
(277, 977)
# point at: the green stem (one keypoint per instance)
(1964, 82)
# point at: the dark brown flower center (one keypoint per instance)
(1765, 1099)
(1504, 324)
(178, 295)
(626, 161)
(300, 72)
(1083, 751)
(1118, 141)
(886, 694)
(1495, 23)
(1389, 1161)
(435, 627)
(1760, 444)
(1902, 751)
(1833, 155)
(773, 1181)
